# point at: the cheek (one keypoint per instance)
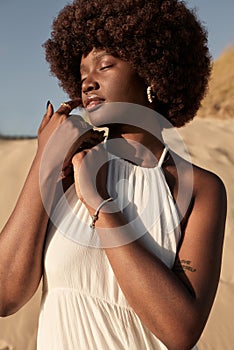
(118, 89)
(135, 87)
(136, 92)
(131, 89)
(125, 88)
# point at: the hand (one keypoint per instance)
(51, 121)
(90, 174)
(89, 139)
(60, 136)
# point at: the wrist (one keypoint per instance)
(96, 201)
(95, 216)
(49, 168)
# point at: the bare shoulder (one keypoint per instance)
(203, 180)
(207, 214)
(208, 183)
(197, 191)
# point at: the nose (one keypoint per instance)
(90, 84)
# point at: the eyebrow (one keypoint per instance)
(100, 55)
(96, 58)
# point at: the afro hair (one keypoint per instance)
(162, 39)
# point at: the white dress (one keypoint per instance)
(83, 307)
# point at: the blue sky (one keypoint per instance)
(25, 81)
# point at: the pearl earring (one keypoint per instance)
(149, 94)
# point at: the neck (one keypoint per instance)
(134, 144)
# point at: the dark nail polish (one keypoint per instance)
(47, 104)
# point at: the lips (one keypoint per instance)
(92, 101)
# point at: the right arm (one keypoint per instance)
(22, 238)
(21, 246)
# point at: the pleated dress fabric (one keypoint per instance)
(82, 306)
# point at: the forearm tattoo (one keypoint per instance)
(184, 265)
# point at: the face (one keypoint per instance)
(106, 78)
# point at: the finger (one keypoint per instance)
(77, 158)
(87, 141)
(92, 141)
(67, 171)
(98, 136)
(90, 175)
(67, 107)
(69, 166)
(50, 110)
(47, 115)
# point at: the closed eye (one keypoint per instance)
(106, 67)
(82, 80)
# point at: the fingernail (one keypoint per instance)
(47, 104)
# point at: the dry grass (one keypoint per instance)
(219, 101)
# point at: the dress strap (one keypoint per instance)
(163, 155)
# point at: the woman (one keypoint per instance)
(126, 282)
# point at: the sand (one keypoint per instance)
(211, 146)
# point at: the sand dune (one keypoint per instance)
(211, 145)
